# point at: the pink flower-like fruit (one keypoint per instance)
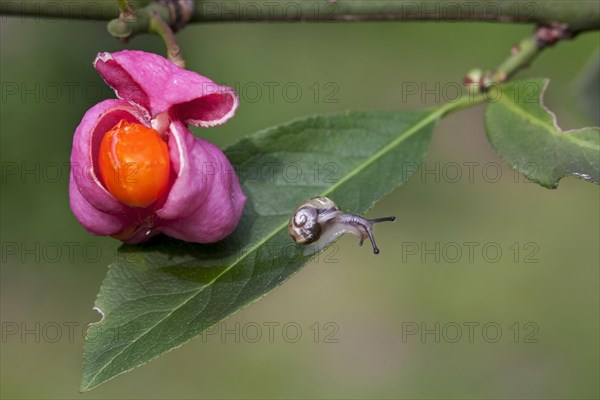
(136, 169)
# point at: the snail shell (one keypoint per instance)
(319, 221)
(307, 222)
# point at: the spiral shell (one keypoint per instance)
(306, 224)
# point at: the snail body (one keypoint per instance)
(319, 221)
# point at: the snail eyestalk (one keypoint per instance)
(384, 219)
(370, 231)
(361, 227)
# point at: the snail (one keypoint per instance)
(319, 221)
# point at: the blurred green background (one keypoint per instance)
(52, 268)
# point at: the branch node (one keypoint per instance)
(549, 35)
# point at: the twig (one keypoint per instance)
(522, 55)
(161, 28)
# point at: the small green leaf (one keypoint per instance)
(525, 134)
(159, 295)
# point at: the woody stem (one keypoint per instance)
(580, 16)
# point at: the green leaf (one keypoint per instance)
(589, 89)
(525, 134)
(159, 295)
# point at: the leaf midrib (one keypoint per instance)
(428, 118)
(554, 130)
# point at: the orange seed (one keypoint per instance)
(134, 164)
